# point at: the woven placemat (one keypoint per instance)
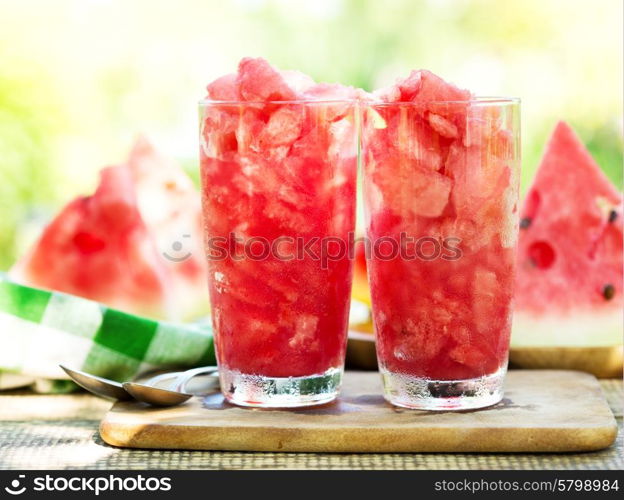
(613, 390)
(75, 444)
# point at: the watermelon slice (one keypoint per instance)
(171, 208)
(569, 286)
(98, 247)
(134, 245)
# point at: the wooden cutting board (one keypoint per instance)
(543, 411)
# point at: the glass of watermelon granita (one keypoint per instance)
(441, 175)
(278, 160)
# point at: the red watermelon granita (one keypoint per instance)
(99, 247)
(278, 166)
(569, 289)
(441, 172)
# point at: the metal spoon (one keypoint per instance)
(148, 392)
(98, 385)
(157, 396)
(182, 382)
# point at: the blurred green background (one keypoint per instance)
(80, 78)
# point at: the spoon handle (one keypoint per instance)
(185, 377)
(173, 376)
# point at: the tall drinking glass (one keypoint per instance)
(278, 193)
(441, 197)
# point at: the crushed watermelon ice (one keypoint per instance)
(274, 169)
(570, 252)
(440, 170)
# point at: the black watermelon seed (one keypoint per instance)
(613, 215)
(525, 222)
(608, 291)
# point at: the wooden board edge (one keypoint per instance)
(389, 441)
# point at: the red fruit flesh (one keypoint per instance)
(571, 245)
(98, 247)
(170, 205)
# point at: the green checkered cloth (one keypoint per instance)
(40, 329)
